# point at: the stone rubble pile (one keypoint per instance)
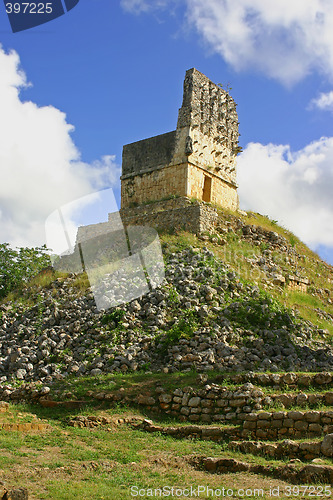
(192, 321)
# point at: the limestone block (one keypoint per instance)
(194, 401)
(165, 398)
(264, 416)
(263, 424)
(327, 445)
(315, 428)
(301, 425)
(312, 416)
(295, 415)
(328, 398)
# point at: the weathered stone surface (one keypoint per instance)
(295, 415)
(286, 399)
(289, 378)
(210, 464)
(327, 445)
(165, 398)
(329, 398)
(17, 494)
(323, 378)
(314, 473)
(312, 416)
(197, 160)
(145, 400)
(194, 402)
(301, 425)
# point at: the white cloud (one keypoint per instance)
(286, 40)
(40, 165)
(293, 188)
(324, 101)
(138, 6)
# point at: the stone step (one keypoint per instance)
(262, 426)
(303, 450)
(24, 427)
(225, 433)
(289, 379)
(49, 403)
(292, 473)
(302, 399)
(281, 424)
(9, 422)
(206, 432)
(92, 421)
(213, 404)
(4, 406)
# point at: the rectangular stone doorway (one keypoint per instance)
(207, 189)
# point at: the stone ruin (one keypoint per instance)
(173, 180)
(197, 160)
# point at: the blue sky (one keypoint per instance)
(116, 69)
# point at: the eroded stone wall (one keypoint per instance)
(153, 185)
(174, 214)
(197, 160)
(209, 114)
(149, 154)
(221, 193)
(221, 405)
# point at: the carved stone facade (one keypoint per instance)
(197, 160)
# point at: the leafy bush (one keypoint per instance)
(184, 328)
(115, 316)
(17, 266)
(261, 311)
(174, 297)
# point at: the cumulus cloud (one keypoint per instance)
(324, 101)
(40, 165)
(284, 39)
(138, 6)
(294, 188)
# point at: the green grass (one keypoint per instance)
(237, 251)
(68, 463)
(306, 304)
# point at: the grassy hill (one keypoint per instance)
(243, 325)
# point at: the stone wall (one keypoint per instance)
(174, 214)
(281, 424)
(298, 284)
(222, 193)
(220, 405)
(149, 154)
(198, 159)
(153, 185)
(85, 233)
(209, 116)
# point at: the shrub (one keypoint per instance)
(184, 328)
(17, 266)
(115, 316)
(261, 311)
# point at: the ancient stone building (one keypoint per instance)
(166, 179)
(197, 160)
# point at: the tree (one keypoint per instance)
(19, 265)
